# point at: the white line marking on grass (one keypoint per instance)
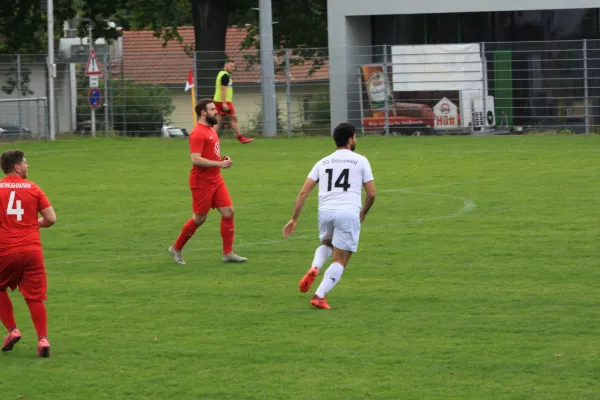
(468, 206)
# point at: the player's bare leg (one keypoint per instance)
(8, 319)
(227, 234)
(332, 276)
(322, 254)
(188, 230)
(235, 126)
(219, 125)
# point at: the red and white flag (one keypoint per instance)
(190, 81)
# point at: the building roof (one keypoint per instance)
(145, 60)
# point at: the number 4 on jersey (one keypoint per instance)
(341, 181)
(12, 210)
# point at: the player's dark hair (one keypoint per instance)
(10, 158)
(201, 105)
(343, 133)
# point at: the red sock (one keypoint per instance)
(227, 232)
(188, 230)
(39, 317)
(6, 311)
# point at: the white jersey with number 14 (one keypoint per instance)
(341, 176)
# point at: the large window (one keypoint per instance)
(507, 26)
(533, 83)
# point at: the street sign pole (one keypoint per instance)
(92, 70)
(93, 109)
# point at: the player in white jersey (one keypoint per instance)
(341, 177)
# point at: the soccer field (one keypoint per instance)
(476, 277)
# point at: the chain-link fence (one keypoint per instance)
(430, 89)
(23, 101)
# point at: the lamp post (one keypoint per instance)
(267, 69)
(51, 70)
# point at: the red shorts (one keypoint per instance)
(219, 106)
(25, 270)
(216, 196)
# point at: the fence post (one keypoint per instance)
(288, 92)
(111, 100)
(485, 85)
(267, 70)
(360, 102)
(37, 112)
(195, 89)
(123, 97)
(106, 102)
(19, 89)
(585, 86)
(385, 86)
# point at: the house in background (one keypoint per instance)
(146, 61)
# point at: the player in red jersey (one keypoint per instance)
(207, 185)
(21, 256)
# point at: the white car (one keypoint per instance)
(174, 132)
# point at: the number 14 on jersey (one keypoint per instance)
(341, 181)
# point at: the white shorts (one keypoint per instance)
(342, 227)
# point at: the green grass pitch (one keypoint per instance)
(477, 275)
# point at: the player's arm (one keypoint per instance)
(224, 83)
(45, 209)
(196, 147)
(369, 199)
(48, 217)
(200, 161)
(369, 185)
(308, 186)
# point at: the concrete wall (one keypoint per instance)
(247, 102)
(35, 115)
(349, 46)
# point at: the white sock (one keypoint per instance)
(321, 255)
(331, 278)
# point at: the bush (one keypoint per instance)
(134, 109)
(317, 116)
(254, 124)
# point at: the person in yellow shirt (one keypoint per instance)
(223, 100)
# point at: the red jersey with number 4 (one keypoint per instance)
(204, 140)
(20, 202)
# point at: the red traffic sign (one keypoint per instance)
(92, 67)
(94, 98)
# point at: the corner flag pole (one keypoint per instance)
(190, 85)
(194, 106)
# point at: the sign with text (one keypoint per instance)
(446, 114)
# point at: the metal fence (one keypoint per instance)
(494, 88)
(467, 88)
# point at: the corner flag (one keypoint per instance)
(190, 85)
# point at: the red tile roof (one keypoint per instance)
(146, 61)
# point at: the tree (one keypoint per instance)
(23, 31)
(290, 18)
(22, 27)
(137, 110)
(23, 24)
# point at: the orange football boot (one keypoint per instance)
(244, 140)
(11, 339)
(308, 279)
(318, 302)
(43, 348)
